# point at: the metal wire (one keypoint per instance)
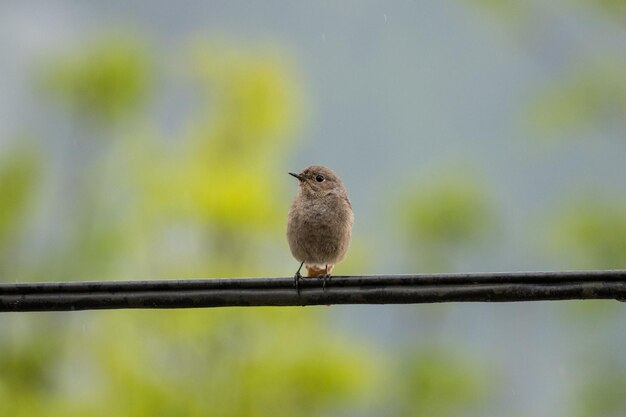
(373, 289)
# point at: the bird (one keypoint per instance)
(319, 226)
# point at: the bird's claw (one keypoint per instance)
(296, 281)
(325, 279)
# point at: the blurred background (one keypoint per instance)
(152, 140)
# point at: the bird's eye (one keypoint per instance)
(319, 178)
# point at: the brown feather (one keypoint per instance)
(318, 270)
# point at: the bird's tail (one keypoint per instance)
(318, 270)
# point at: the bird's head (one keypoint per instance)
(318, 179)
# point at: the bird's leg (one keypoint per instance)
(325, 278)
(296, 278)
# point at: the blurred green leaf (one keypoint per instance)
(604, 393)
(614, 9)
(591, 97)
(221, 362)
(19, 173)
(251, 97)
(590, 232)
(28, 364)
(443, 384)
(443, 215)
(106, 81)
(250, 107)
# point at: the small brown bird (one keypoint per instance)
(320, 222)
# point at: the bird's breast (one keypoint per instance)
(319, 230)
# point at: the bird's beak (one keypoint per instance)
(299, 177)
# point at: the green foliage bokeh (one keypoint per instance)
(141, 207)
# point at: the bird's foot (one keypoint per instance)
(296, 281)
(325, 279)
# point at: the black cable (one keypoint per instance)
(376, 289)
